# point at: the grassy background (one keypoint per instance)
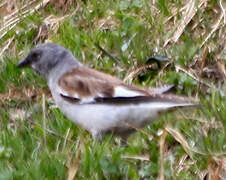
(38, 142)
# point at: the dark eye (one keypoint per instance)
(35, 56)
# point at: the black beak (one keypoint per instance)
(23, 63)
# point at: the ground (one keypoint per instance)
(118, 37)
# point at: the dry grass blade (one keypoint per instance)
(161, 149)
(53, 22)
(5, 32)
(217, 168)
(3, 4)
(17, 114)
(190, 13)
(202, 175)
(214, 28)
(74, 164)
(161, 72)
(14, 21)
(107, 23)
(6, 46)
(191, 10)
(175, 11)
(180, 138)
(8, 17)
(179, 167)
(42, 33)
(222, 70)
(223, 168)
(67, 136)
(178, 68)
(203, 62)
(25, 94)
(223, 11)
(134, 73)
(62, 4)
(192, 117)
(141, 157)
(44, 117)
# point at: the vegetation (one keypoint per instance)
(38, 142)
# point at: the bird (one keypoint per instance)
(95, 101)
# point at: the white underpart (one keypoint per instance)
(121, 91)
(99, 117)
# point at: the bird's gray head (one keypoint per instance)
(45, 57)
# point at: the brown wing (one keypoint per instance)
(84, 83)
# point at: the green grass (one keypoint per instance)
(28, 151)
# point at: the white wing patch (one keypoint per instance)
(121, 91)
(86, 100)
